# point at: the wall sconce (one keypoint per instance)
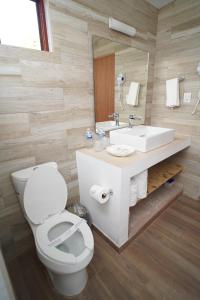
(121, 27)
(120, 79)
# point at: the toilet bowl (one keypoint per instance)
(64, 242)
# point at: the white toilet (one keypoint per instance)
(64, 242)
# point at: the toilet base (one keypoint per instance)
(69, 284)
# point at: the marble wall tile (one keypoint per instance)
(28, 99)
(10, 166)
(37, 73)
(14, 126)
(46, 98)
(16, 148)
(177, 54)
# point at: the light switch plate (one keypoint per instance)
(187, 97)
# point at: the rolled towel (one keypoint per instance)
(142, 185)
(172, 93)
(138, 187)
(133, 192)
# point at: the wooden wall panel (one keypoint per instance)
(177, 54)
(46, 98)
(104, 86)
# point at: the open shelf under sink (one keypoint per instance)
(148, 209)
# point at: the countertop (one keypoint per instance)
(139, 160)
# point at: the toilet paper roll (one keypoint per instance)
(99, 193)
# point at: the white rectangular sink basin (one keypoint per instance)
(110, 125)
(143, 138)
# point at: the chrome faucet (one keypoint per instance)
(130, 120)
(115, 116)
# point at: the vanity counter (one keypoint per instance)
(115, 173)
(140, 161)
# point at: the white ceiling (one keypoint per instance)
(159, 3)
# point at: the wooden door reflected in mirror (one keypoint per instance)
(110, 61)
(104, 85)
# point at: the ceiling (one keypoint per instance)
(159, 3)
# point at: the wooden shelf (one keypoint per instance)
(161, 173)
(148, 209)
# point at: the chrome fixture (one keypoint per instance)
(198, 98)
(131, 118)
(120, 79)
(198, 68)
(181, 78)
(115, 116)
(196, 105)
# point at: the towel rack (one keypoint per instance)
(181, 78)
(196, 105)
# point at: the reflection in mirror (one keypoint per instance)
(120, 83)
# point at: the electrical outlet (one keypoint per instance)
(187, 97)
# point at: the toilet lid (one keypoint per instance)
(45, 194)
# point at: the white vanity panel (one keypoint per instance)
(106, 217)
(100, 168)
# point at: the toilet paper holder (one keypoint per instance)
(110, 192)
(100, 193)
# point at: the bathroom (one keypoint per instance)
(47, 104)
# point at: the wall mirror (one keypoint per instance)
(120, 80)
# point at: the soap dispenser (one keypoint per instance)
(100, 142)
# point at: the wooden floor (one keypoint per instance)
(162, 263)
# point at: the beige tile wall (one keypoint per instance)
(177, 54)
(46, 99)
(134, 64)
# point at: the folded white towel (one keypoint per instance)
(172, 92)
(133, 95)
(142, 184)
(138, 187)
(133, 192)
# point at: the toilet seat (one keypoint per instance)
(48, 248)
(45, 197)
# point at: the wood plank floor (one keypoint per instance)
(162, 263)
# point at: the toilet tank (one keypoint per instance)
(20, 178)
